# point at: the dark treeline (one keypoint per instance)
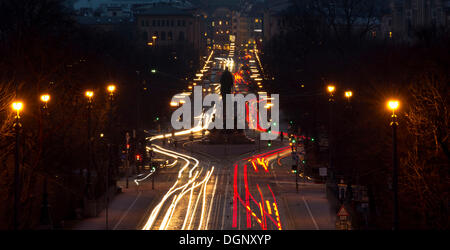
(43, 50)
(314, 51)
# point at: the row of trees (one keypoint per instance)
(318, 53)
(43, 50)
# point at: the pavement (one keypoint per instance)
(128, 209)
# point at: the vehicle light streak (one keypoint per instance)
(261, 204)
(186, 182)
(142, 179)
(235, 196)
(254, 166)
(188, 208)
(247, 202)
(166, 220)
(275, 208)
(268, 207)
(172, 164)
(212, 202)
(264, 206)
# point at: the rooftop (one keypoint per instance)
(161, 10)
(92, 20)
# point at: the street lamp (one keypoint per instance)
(154, 40)
(45, 219)
(45, 98)
(331, 89)
(17, 106)
(348, 94)
(394, 105)
(111, 89)
(89, 95)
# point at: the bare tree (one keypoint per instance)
(426, 163)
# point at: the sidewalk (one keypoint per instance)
(307, 209)
(121, 211)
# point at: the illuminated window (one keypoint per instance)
(220, 22)
(390, 34)
(212, 23)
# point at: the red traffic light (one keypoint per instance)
(138, 157)
(128, 146)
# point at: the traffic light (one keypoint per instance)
(138, 157)
(269, 130)
(304, 162)
(269, 143)
(128, 146)
(294, 168)
(153, 71)
(312, 139)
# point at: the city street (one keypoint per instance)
(247, 118)
(222, 187)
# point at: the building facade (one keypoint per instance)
(407, 17)
(166, 25)
(220, 28)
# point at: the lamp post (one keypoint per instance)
(348, 95)
(349, 113)
(17, 106)
(331, 89)
(393, 105)
(154, 40)
(45, 212)
(111, 89)
(89, 95)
